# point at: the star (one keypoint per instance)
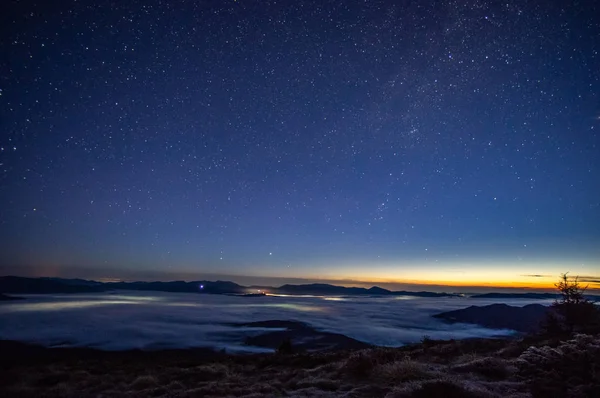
(331, 142)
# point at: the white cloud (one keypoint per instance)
(157, 320)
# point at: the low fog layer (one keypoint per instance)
(161, 320)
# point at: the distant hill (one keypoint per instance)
(19, 285)
(540, 296)
(4, 297)
(323, 289)
(499, 316)
(74, 282)
(532, 296)
(15, 284)
(303, 335)
(218, 287)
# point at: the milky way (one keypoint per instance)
(305, 138)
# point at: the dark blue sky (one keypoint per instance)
(373, 140)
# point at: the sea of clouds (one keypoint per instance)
(153, 320)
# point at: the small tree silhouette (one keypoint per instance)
(572, 310)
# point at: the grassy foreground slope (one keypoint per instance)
(532, 367)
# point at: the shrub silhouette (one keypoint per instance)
(552, 325)
(285, 347)
(427, 341)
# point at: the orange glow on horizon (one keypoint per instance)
(535, 276)
(523, 282)
(499, 284)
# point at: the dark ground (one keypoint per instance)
(469, 368)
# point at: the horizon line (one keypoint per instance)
(539, 288)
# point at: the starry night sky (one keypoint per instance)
(374, 140)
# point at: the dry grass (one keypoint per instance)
(404, 370)
(489, 367)
(144, 382)
(477, 369)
